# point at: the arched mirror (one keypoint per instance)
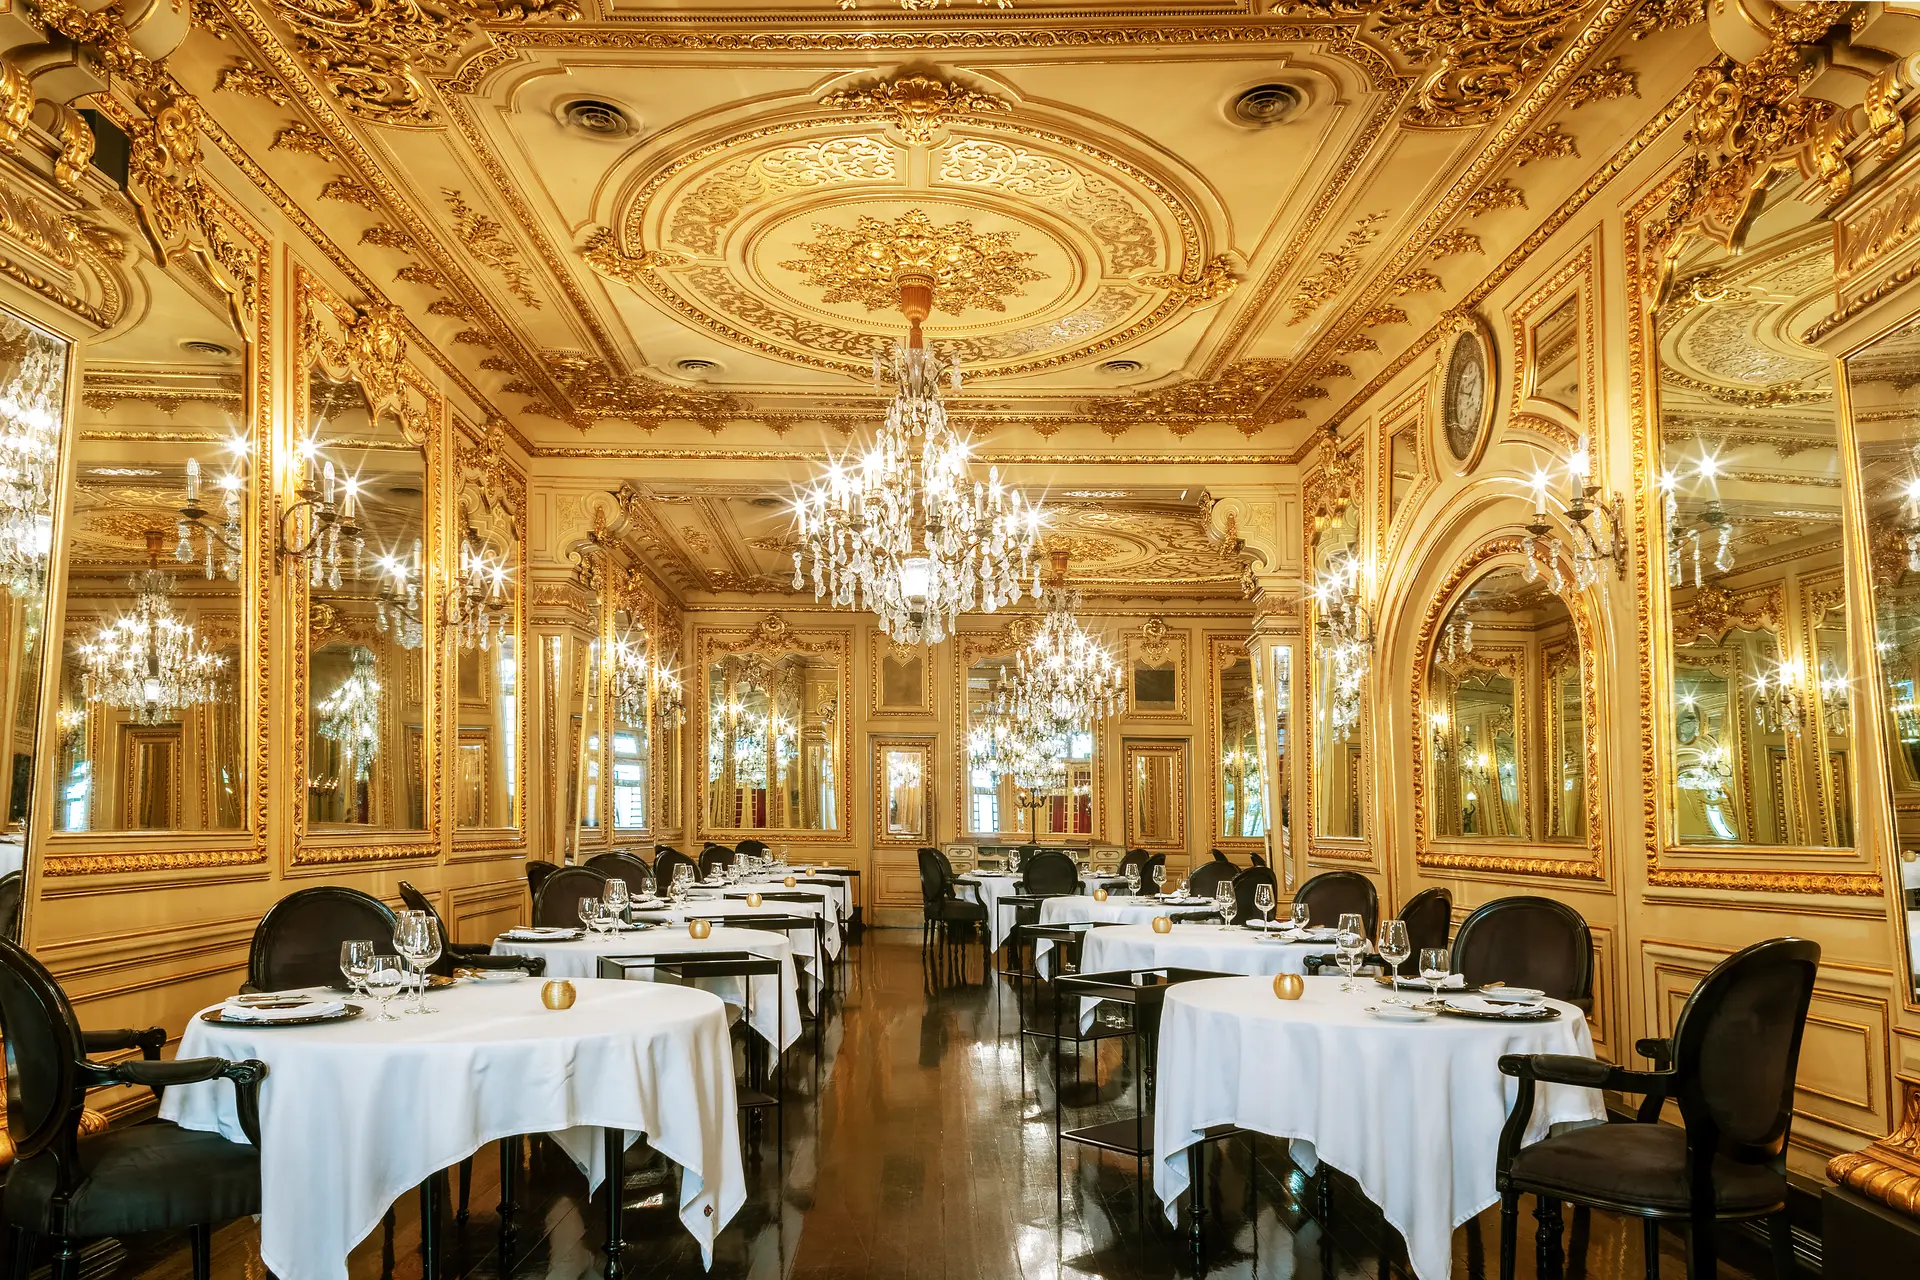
(488, 680)
(630, 699)
(775, 732)
(1505, 743)
(1342, 644)
(1757, 727)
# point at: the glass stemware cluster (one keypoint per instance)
(1225, 903)
(416, 936)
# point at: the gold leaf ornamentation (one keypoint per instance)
(1125, 232)
(1665, 15)
(602, 253)
(1355, 343)
(350, 191)
(387, 237)
(299, 138)
(1338, 266)
(417, 274)
(1452, 242)
(1498, 194)
(978, 269)
(920, 105)
(598, 392)
(1550, 143)
(1417, 282)
(704, 214)
(76, 147)
(1607, 81)
(242, 76)
(1385, 313)
(1233, 397)
(1213, 282)
(485, 239)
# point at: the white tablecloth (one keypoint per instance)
(776, 1006)
(733, 902)
(837, 890)
(1410, 1111)
(989, 888)
(354, 1114)
(1194, 946)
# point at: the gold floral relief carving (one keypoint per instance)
(1233, 397)
(1338, 266)
(919, 105)
(1606, 81)
(602, 252)
(369, 346)
(597, 392)
(1123, 230)
(863, 263)
(485, 240)
(1714, 611)
(700, 218)
(1214, 280)
(1888, 1169)
(1496, 195)
(1550, 142)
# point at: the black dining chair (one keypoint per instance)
(629, 867)
(537, 873)
(1429, 919)
(714, 855)
(465, 955)
(1205, 879)
(1332, 894)
(558, 906)
(950, 921)
(1048, 873)
(1528, 942)
(12, 890)
(1730, 1066)
(752, 848)
(665, 862)
(297, 943)
(1135, 858)
(1245, 886)
(68, 1188)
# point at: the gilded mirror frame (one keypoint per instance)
(1156, 644)
(923, 746)
(1530, 856)
(1574, 279)
(491, 492)
(1412, 412)
(772, 635)
(880, 647)
(1669, 864)
(367, 346)
(1306, 677)
(1134, 750)
(245, 274)
(1222, 652)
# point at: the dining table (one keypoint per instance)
(1412, 1111)
(732, 900)
(773, 1012)
(989, 888)
(836, 890)
(1210, 948)
(354, 1113)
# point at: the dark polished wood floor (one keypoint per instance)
(926, 1150)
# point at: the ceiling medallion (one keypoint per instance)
(863, 264)
(920, 105)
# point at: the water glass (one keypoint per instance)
(426, 954)
(383, 981)
(590, 913)
(682, 882)
(1396, 949)
(356, 962)
(1225, 903)
(1263, 901)
(1299, 915)
(1159, 877)
(1133, 879)
(1436, 963)
(1350, 946)
(614, 902)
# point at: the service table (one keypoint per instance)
(733, 901)
(989, 887)
(355, 1113)
(775, 1005)
(1412, 1111)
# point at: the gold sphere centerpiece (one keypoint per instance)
(557, 993)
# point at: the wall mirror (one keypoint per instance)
(1554, 369)
(488, 681)
(903, 781)
(587, 740)
(1273, 682)
(1885, 400)
(1006, 795)
(1757, 725)
(901, 684)
(1505, 740)
(1156, 666)
(158, 696)
(671, 726)
(1340, 703)
(774, 732)
(1156, 780)
(368, 695)
(1403, 466)
(34, 368)
(630, 659)
(1240, 813)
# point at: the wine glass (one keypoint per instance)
(643, 887)
(590, 914)
(614, 902)
(426, 954)
(1349, 946)
(1159, 877)
(407, 941)
(1225, 903)
(1299, 915)
(356, 961)
(1436, 963)
(1263, 900)
(1133, 879)
(383, 981)
(682, 882)
(1396, 949)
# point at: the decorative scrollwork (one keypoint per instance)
(1211, 283)
(862, 263)
(602, 252)
(1235, 396)
(920, 105)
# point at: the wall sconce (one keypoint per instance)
(1836, 702)
(629, 676)
(1456, 639)
(320, 518)
(668, 695)
(1779, 704)
(1683, 543)
(397, 607)
(1592, 518)
(1345, 630)
(476, 605)
(228, 535)
(1437, 724)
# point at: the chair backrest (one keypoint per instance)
(418, 901)
(752, 848)
(1258, 861)
(936, 878)
(622, 866)
(1132, 858)
(1048, 871)
(1332, 894)
(1736, 1047)
(45, 1094)
(1527, 942)
(1429, 917)
(715, 855)
(558, 905)
(1244, 886)
(12, 889)
(537, 873)
(297, 943)
(665, 864)
(1206, 878)
(1146, 870)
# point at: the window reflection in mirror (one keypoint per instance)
(1156, 794)
(773, 725)
(1759, 718)
(367, 692)
(156, 710)
(33, 399)
(1885, 399)
(1556, 357)
(631, 703)
(1505, 749)
(903, 774)
(997, 802)
(1340, 706)
(1243, 814)
(587, 658)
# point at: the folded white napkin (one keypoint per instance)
(1478, 1004)
(295, 1007)
(544, 934)
(1452, 982)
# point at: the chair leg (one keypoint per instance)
(66, 1259)
(1650, 1231)
(1780, 1233)
(1509, 1232)
(1703, 1262)
(466, 1185)
(201, 1237)
(19, 1253)
(1546, 1212)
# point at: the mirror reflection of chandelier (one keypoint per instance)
(1343, 630)
(629, 676)
(1779, 706)
(907, 531)
(30, 407)
(223, 545)
(1456, 639)
(1066, 674)
(350, 715)
(1031, 749)
(148, 663)
(397, 606)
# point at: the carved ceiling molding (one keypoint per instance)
(598, 392)
(918, 105)
(1234, 397)
(863, 263)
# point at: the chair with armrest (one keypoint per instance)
(1429, 919)
(949, 919)
(558, 906)
(629, 867)
(297, 943)
(67, 1186)
(1332, 894)
(1133, 858)
(1528, 942)
(665, 862)
(1730, 1066)
(713, 857)
(12, 889)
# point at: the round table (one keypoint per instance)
(733, 901)
(776, 1007)
(1194, 946)
(1410, 1111)
(355, 1114)
(989, 887)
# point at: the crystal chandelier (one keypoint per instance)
(668, 702)
(1593, 523)
(477, 608)
(320, 527)
(906, 531)
(629, 677)
(1005, 738)
(1343, 631)
(1779, 705)
(30, 407)
(397, 606)
(149, 663)
(223, 546)
(350, 715)
(1067, 675)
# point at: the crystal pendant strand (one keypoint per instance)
(149, 663)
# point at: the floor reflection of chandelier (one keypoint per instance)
(907, 531)
(30, 403)
(350, 715)
(1066, 674)
(149, 663)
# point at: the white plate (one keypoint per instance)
(493, 975)
(1513, 995)
(1400, 1013)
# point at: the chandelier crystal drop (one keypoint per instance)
(30, 407)
(905, 530)
(350, 715)
(149, 663)
(477, 609)
(1066, 674)
(397, 606)
(223, 546)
